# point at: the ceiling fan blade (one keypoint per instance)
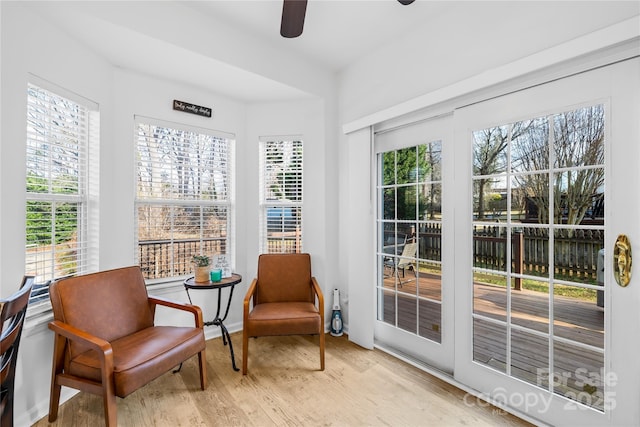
(406, 2)
(293, 12)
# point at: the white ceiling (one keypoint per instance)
(234, 47)
(336, 32)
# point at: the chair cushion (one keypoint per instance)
(143, 356)
(291, 318)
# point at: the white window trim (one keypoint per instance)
(265, 205)
(229, 203)
(91, 189)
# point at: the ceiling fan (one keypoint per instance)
(293, 12)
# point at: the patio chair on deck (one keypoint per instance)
(394, 243)
(406, 260)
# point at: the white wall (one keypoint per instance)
(482, 37)
(32, 45)
(296, 118)
(445, 50)
(443, 57)
(82, 72)
(24, 34)
(136, 94)
(466, 41)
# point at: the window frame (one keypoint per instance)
(279, 214)
(548, 228)
(43, 132)
(175, 203)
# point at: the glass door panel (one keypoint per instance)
(579, 374)
(529, 354)
(540, 323)
(530, 306)
(538, 312)
(490, 343)
(536, 298)
(411, 243)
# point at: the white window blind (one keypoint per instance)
(56, 188)
(281, 201)
(183, 196)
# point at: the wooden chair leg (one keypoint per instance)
(109, 392)
(322, 351)
(54, 401)
(59, 344)
(110, 410)
(202, 364)
(245, 352)
(6, 419)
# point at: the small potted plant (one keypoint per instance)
(201, 264)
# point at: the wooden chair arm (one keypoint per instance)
(75, 334)
(63, 333)
(248, 296)
(318, 292)
(194, 309)
(250, 292)
(102, 347)
(247, 299)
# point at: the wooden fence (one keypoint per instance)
(166, 258)
(575, 251)
(287, 242)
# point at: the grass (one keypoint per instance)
(542, 285)
(575, 292)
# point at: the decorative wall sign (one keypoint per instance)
(222, 262)
(191, 108)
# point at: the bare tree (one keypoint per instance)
(490, 155)
(578, 149)
(530, 157)
(579, 143)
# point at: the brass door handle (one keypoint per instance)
(622, 260)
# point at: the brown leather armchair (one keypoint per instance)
(106, 342)
(283, 297)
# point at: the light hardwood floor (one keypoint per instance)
(284, 387)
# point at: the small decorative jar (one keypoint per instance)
(216, 275)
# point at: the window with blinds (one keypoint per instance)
(183, 196)
(281, 172)
(56, 188)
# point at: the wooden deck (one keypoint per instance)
(574, 320)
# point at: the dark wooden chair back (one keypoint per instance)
(12, 313)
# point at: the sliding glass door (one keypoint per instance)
(536, 234)
(413, 300)
(498, 251)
